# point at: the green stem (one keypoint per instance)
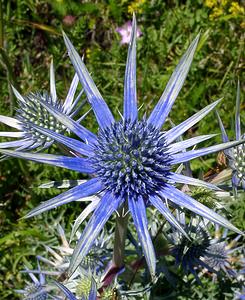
(6, 62)
(8, 67)
(120, 237)
(1, 26)
(10, 77)
(24, 169)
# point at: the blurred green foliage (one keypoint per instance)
(30, 34)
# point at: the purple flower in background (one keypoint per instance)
(125, 32)
(69, 20)
(132, 162)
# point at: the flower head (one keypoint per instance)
(218, 255)
(201, 249)
(131, 161)
(88, 288)
(31, 112)
(188, 251)
(86, 284)
(236, 155)
(37, 289)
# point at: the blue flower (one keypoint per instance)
(188, 252)
(218, 255)
(31, 112)
(236, 155)
(36, 290)
(131, 161)
(200, 249)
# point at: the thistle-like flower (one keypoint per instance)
(219, 254)
(83, 283)
(131, 161)
(188, 251)
(236, 155)
(31, 112)
(89, 290)
(37, 289)
(200, 249)
(86, 284)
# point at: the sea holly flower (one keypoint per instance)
(131, 161)
(200, 249)
(188, 251)
(219, 253)
(92, 295)
(31, 112)
(86, 278)
(88, 283)
(210, 198)
(236, 155)
(37, 290)
(83, 283)
(125, 32)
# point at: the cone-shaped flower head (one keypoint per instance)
(86, 284)
(131, 161)
(35, 290)
(189, 251)
(201, 249)
(219, 254)
(239, 165)
(236, 155)
(30, 112)
(87, 290)
(81, 285)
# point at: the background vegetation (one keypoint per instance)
(30, 35)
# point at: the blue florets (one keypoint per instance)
(189, 251)
(217, 256)
(35, 292)
(131, 159)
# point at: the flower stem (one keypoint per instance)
(120, 237)
(1, 26)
